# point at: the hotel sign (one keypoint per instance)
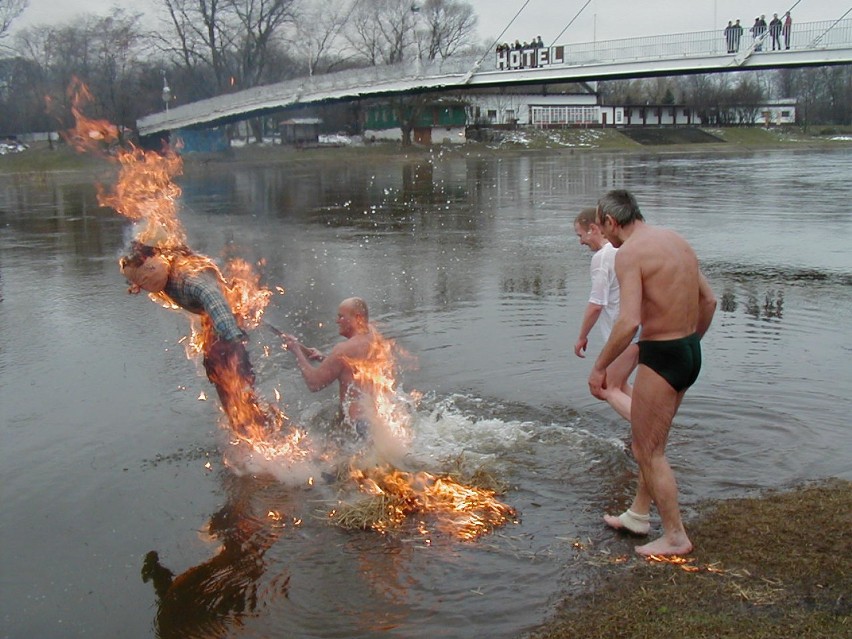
(529, 57)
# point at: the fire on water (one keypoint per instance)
(392, 496)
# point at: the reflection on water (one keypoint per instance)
(213, 597)
(471, 264)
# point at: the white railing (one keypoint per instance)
(809, 36)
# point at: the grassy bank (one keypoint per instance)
(41, 159)
(774, 567)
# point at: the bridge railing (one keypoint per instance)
(812, 36)
(809, 35)
(804, 36)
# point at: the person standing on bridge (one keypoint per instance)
(738, 35)
(775, 31)
(757, 31)
(729, 36)
(787, 30)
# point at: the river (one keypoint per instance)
(471, 265)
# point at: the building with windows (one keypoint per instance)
(439, 122)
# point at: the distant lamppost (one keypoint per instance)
(415, 12)
(167, 92)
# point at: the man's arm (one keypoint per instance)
(316, 377)
(590, 317)
(706, 305)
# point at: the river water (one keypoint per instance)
(471, 265)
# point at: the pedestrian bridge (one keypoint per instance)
(811, 44)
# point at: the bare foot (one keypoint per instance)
(628, 521)
(679, 545)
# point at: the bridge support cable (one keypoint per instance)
(490, 49)
(816, 41)
(583, 8)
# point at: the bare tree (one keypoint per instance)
(204, 32)
(318, 29)
(382, 31)
(10, 10)
(746, 100)
(260, 22)
(231, 40)
(407, 109)
(449, 27)
(105, 53)
(703, 95)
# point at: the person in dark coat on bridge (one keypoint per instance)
(738, 35)
(787, 29)
(729, 36)
(775, 31)
(757, 31)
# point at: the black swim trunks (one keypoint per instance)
(678, 361)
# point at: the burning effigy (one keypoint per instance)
(223, 305)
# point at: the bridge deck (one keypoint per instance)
(814, 43)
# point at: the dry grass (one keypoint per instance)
(776, 567)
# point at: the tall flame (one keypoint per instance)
(146, 194)
(376, 374)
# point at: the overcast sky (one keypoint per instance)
(599, 20)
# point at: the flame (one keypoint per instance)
(146, 194)
(376, 375)
(684, 563)
(466, 512)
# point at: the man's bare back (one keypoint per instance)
(659, 265)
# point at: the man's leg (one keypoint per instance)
(618, 390)
(653, 407)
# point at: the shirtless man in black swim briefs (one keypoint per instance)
(663, 290)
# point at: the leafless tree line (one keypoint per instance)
(203, 48)
(823, 94)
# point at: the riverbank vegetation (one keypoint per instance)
(59, 157)
(778, 566)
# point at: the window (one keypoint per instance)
(567, 115)
(492, 114)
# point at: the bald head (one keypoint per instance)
(352, 316)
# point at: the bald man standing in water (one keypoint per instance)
(664, 291)
(353, 323)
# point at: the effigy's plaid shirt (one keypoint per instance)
(200, 293)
